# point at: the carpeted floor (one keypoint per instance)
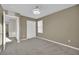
(37, 47)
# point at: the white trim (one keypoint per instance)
(17, 26)
(4, 31)
(27, 39)
(58, 43)
(10, 16)
(18, 29)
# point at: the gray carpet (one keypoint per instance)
(37, 47)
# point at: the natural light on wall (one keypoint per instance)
(40, 26)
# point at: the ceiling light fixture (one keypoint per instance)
(36, 10)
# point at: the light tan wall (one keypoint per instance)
(23, 26)
(62, 26)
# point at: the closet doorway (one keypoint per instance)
(31, 29)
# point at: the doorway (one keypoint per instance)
(10, 29)
(10, 24)
(31, 29)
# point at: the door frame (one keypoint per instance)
(31, 29)
(4, 27)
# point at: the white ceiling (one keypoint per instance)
(26, 9)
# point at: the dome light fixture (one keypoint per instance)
(36, 10)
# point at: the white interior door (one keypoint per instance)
(31, 29)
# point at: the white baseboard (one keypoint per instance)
(31, 37)
(58, 43)
(27, 38)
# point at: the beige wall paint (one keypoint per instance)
(23, 27)
(62, 26)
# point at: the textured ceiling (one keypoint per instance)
(45, 9)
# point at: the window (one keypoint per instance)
(40, 26)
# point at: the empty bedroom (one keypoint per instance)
(39, 29)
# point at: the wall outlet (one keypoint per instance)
(69, 40)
